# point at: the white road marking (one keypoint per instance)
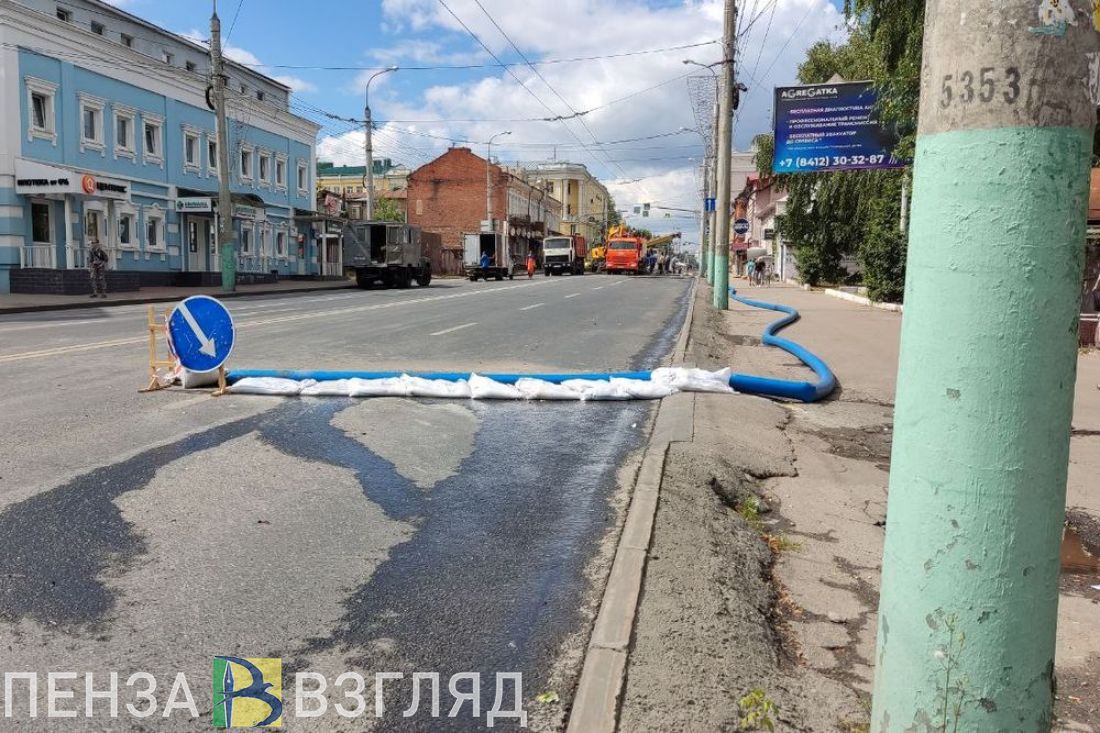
(617, 282)
(601, 287)
(574, 295)
(452, 330)
(531, 307)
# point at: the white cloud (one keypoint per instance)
(556, 30)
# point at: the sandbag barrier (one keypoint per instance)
(654, 384)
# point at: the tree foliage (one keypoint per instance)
(387, 209)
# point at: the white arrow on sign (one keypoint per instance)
(207, 345)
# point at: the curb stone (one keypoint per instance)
(596, 702)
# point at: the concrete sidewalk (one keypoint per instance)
(19, 303)
(763, 572)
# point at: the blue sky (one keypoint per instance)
(420, 112)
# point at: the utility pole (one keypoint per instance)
(712, 217)
(368, 173)
(721, 247)
(227, 249)
(969, 599)
(489, 179)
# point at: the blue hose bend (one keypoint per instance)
(785, 388)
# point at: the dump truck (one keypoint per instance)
(385, 253)
(563, 254)
(501, 262)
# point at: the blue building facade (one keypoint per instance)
(106, 136)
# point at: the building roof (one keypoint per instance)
(385, 165)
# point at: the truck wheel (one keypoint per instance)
(363, 282)
(498, 278)
(425, 279)
(473, 278)
(546, 273)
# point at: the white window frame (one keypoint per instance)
(282, 232)
(125, 211)
(248, 228)
(280, 165)
(51, 220)
(129, 114)
(157, 156)
(251, 152)
(48, 90)
(191, 133)
(263, 160)
(154, 215)
(211, 160)
(89, 103)
(303, 179)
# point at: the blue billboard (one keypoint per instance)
(831, 127)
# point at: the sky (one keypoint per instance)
(631, 117)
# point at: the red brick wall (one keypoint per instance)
(447, 195)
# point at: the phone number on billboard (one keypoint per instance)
(832, 161)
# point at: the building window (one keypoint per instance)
(91, 123)
(127, 40)
(265, 168)
(192, 160)
(244, 88)
(126, 225)
(280, 244)
(260, 95)
(154, 150)
(246, 239)
(97, 28)
(168, 57)
(212, 156)
(190, 66)
(246, 164)
(64, 15)
(302, 179)
(41, 228)
(154, 231)
(41, 117)
(124, 131)
(280, 173)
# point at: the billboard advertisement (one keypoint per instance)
(831, 127)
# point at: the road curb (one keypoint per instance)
(5, 310)
(863, 300)
(599, 691)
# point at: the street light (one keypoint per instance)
(489, 179)
(710, 181)
(368, 174)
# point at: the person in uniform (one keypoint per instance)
(97, 269)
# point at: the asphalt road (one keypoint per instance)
(152, 532)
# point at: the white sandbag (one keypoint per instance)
(539, 389)
(483, 388)
(387, 387)
(438, 388)
(268, 386)
(328, 388)
(597, 389)
(643, 389)
(194, 380)
(694, 380)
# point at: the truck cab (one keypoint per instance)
(563, 254)
(623, 255)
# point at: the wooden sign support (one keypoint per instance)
(155, 362)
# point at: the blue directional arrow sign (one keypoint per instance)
(202, 333)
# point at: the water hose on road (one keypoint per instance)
(746, 383)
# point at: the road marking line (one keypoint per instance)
(530, 307)
(71, 349)
(601, 287)
(452, 330)
(574, 295)
(617, 282)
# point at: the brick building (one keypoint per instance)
(447, 196)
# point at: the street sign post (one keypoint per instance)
(202, 333)
(741, 226)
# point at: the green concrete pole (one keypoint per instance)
(721, 247)
(969, 598)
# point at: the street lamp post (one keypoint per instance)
(368, 174)
(489, 179)
(710, 246)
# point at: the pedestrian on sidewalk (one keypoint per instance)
(97, 269)
(750, 269)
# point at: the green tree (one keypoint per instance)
(613, 217)
(387, 209)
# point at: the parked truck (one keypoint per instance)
(501, 262)
(385, 253)
(563, 254)
(624, 254)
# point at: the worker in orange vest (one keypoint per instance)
(530, 265)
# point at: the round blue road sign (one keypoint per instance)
(741, 226)
(202, 333)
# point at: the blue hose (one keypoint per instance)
(785, 388)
